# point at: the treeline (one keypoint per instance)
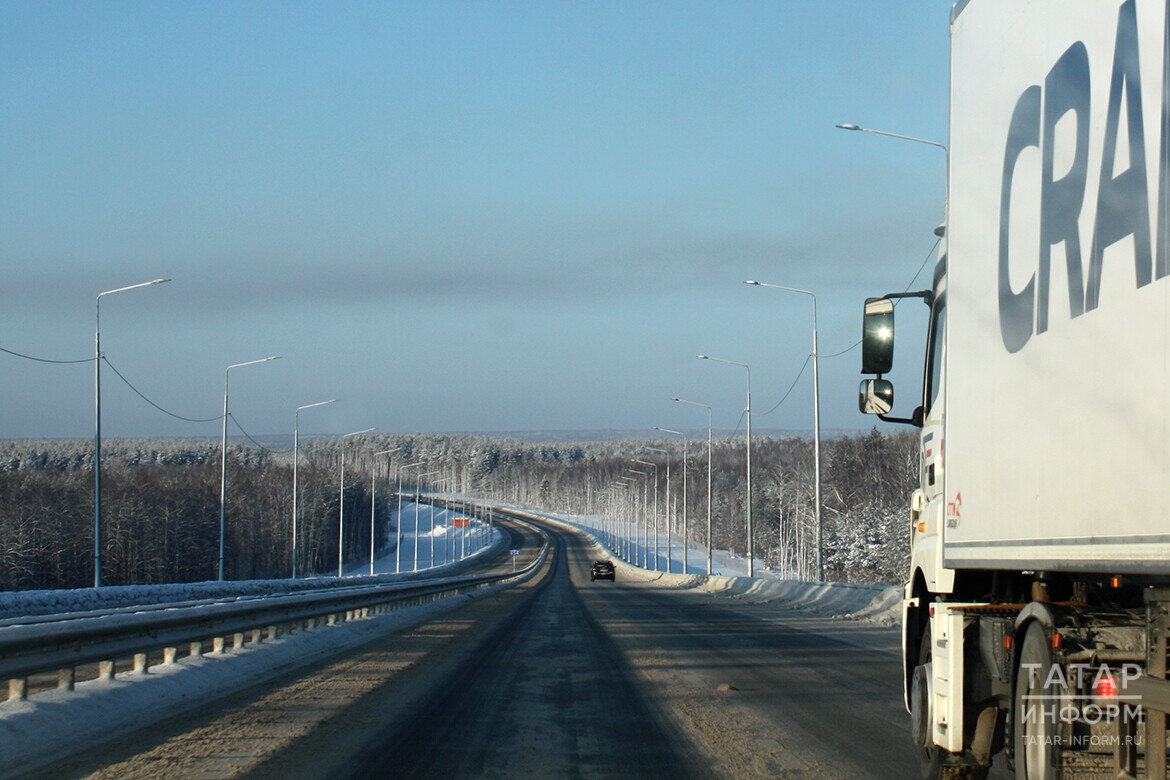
(160, 500)
(161, 509)
(866, 485)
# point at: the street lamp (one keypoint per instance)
(421, 477)
(398, 542)
(946, 151)
(373, 494)
(816, 420)
(97, 428)
(666, 455)
(851, 126)
(444, 483)
(609, 526)
(645, 491)
(296, 459)
(223, 456)
(622, 541)
(622, 482)
(621, 499)
(646, 525)
(750, 531)
(708, 408)
(685, 533)
(341, 505)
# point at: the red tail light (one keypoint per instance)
(1105, 687)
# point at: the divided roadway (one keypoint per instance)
(559, 676)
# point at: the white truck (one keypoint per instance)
(1037, 608)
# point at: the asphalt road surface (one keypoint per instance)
(560, 677)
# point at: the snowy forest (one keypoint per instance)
(161, 500)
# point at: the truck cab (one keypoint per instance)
(1036, 611)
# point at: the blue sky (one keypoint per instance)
(457, 216)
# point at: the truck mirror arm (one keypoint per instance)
(916, 419)
(927, 296)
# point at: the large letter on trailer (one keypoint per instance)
(1066, 90)
(1122, 200)
(1016, 308)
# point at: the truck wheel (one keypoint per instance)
(929, 754)
(1034, 710)
(931, 758)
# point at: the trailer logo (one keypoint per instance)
(1122, 207)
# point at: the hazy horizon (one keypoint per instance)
(475, 216)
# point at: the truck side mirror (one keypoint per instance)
(877, 337)
(876, 396)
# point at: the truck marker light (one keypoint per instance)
(922, 527)
(1007, 643)
(932, 610)
(1106, 687)
(1115, 582)
(1056, 640)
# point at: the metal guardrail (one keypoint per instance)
(45, 646)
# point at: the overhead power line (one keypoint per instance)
(248, 436)
(791, 387)
(41, 359)
(152, 403)
(917, 273)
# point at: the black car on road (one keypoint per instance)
(602, 570)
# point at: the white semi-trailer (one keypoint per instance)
(1037, 608)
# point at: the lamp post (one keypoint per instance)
(450, 485)
(606, 498)
(610, 525)
(946, 206)
(708, 408)
(398, 542)
(373, 494)
(620, 485)
(296, 454)
(341, 505)
(623, 544)
(646, 524)
(666, 454)
(440, 485)
(603, 499)
(97, 427)
(686, 531)
(645, 492)
(611, 490)
(421, 477)
(444, 484)
(820, 569)
(223, 456)
(751, 570)
(457, 487)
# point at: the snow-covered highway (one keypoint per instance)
(556, 676)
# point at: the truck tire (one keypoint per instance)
(929, 754)
(1036, 736)
(932, 760)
